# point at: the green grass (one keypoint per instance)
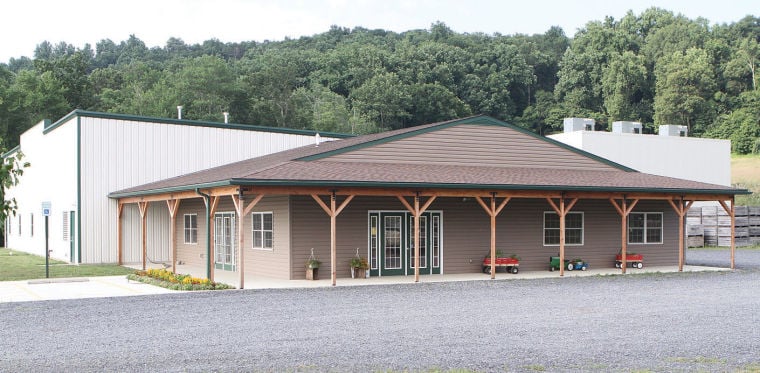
(745, 173)
(16, 265)
(698, 360)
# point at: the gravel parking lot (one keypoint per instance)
(658, 322)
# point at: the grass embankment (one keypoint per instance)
(745, 173)
(17, 265)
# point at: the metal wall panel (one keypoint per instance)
(52, 178)
(118, 154)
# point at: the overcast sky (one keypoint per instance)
(26, 23)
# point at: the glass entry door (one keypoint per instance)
(224, 241)
(391, 243)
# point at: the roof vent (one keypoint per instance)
(626, 127)
(674, 130)
(226, 117)
(578, 124)
(179, 112)
(316, 140)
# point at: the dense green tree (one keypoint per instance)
(685, 83)
(624, 85)
(655, 67)
(385, 99)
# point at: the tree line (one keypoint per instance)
(656, 67)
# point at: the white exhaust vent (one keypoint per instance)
(626, 127)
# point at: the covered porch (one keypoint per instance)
(258, 282)
(333, 200)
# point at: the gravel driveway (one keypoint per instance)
(658, 322)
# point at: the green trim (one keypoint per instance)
(93, 114)
(12, 151)
(478, 120)
(79, 190)
(181, 188)
(374, 184)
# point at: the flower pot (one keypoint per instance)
(312, 273)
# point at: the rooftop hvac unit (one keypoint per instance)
(578, 124)
(674, 130)
(626, 127)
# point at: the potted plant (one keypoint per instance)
(359, 266)
(312, 267)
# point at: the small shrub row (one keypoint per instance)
(169, 280)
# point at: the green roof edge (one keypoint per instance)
(15, 149)
(248, 127)
(478, 119)
(372, 184)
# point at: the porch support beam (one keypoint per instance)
(732, 213)
(119, 245)
(562, 211)
(242, 211)
(493, 212)
(333, 212)
(416, 211)
(173, 205)
(680, 209)
(144, 218)
(623, 210)
(212, 202)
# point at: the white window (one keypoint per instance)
(573, 228)
(262, 230)
(191, 228)
(65, 226)
(645, 227)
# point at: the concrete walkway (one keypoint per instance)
(73, 288)
(119, 286)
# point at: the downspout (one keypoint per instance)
(207, 199)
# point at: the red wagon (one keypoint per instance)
(633, 260)
(510, 264)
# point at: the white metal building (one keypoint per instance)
(668, 154)
(79, 159)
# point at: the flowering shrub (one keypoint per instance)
(167, 279)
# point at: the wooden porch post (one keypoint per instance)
(493, 211)
(119, 248)
(731, 213)
(144, 217)
(173, 205)
(211, 206)
(242, 211)
(562, 211)
(681, 210)
(417, 212)
(333, 212)
(623, 210)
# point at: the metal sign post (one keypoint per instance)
(46, 213)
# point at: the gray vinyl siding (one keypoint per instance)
(264, 263)
(270, 263)
(466, 233)
(481, 146)
(192, 254)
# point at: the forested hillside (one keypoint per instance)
(655, 67)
